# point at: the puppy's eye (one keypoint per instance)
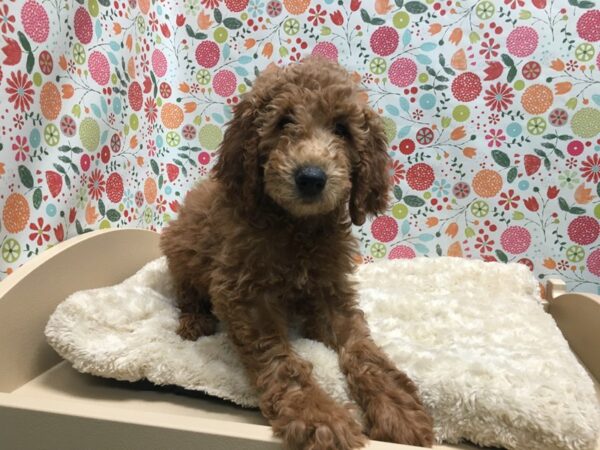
(341, 130)
(285, 120)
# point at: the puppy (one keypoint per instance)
(267, 241)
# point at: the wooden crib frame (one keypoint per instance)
(46, 405)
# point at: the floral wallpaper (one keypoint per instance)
(111, 109)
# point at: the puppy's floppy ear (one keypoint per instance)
(237, 166)
(371, 181)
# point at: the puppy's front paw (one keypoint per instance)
(194, 326)
(325, 426)
(398, 417)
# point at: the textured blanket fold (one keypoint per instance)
(472, 335)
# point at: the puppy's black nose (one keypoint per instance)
(310, 180)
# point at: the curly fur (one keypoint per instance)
(247, 249)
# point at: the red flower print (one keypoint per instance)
(425, 136)
(407, 146)
(46, 63)
(354, 5)
(180, 20)
(559, 117)
(18, 120)
(210, 4)
(590, 168)
(552, 192)
(150, 109)
(21, 148)
(20, 90)
(165, 90)
(188, 132)
(153, 21)
(499, 97)
(316, 15)
(397, 171)
(337, 18)
(161, 204)
(147, 84)
(6, 20)
(489, 49)
(174, 205)
(531, 70)
(96, 184)
(418, 114)
(144, 63)
(509, 199)
(572, 65)
(514, 3)
(115, 143)
(68, 126)
(531, 204)
(164, 29)
(40, 232)
(12, 52)
(59, 233)
(274, 8)
(461, 189)
(495, 138)
(493, 70)
(484, 243)
(139, 199)
(152, 149)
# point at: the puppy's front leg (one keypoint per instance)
(300, 412)
(387, 396)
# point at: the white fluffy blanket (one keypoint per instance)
(492, 366)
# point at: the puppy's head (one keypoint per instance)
(304, 138)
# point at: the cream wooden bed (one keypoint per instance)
(46, 405)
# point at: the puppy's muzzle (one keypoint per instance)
(310, 181)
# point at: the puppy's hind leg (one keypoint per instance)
(196, 318)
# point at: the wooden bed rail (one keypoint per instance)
(577, 315)
(30, 295)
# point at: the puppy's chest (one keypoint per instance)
(305, 265)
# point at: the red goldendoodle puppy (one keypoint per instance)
(268, 241)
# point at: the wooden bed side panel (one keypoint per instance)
(23, 428)
(578, 317)
(54, 424)
(30, 295)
